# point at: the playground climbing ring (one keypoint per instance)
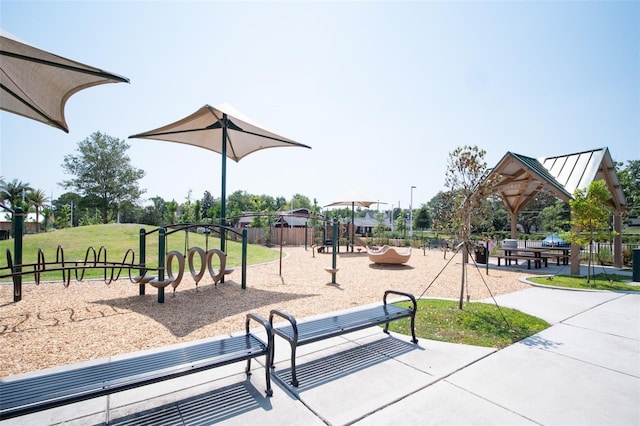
(206, 264)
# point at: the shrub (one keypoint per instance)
(605, 256)
(626, 257)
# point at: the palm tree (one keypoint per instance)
(38, 199)
(14, 192)
(2, 188)
(2, 191)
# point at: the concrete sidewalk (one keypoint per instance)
(584, 370)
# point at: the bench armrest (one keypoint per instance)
(402, 293)
(264, 322)
(288, 317)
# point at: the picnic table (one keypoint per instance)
(537, 254)
(560, 253)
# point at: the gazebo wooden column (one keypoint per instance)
(514, 225)
(617, 240)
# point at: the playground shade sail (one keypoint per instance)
(224, 130)
(205, 128)
(37, 84)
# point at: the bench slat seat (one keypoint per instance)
(298, 334)
(324, 328)
(23, 395)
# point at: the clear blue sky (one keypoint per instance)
(381, 91)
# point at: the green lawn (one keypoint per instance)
(117, 239)
(478, 324)
(600, 281)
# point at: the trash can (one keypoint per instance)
(481, 254)
(636, 265)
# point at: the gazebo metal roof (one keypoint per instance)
(521, 178)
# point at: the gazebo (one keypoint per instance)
(521, 178)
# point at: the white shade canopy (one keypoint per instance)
(224, 130)
(204, 128)
(37, 84)
(354, 203)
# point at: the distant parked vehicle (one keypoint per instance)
(554, 240)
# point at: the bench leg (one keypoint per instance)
(267, 374)
(270, 362)
(294, 378)
(413, 329)
(247, 371)
(267, 377)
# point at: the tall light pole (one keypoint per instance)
(411, 214)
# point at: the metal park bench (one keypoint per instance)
(298, 334)
(22, 395)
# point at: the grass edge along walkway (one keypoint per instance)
(601, 281)
(478, 323)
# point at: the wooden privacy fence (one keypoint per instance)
(289, 236)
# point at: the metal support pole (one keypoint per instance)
(18, 231)
(486, 254)
(161, 259)
(244, 258)
(353, 224)
(143, 258)
(334, 249)
(281, 230)
(223, 198)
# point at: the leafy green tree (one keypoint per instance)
(556, 217)
(62, 218)
(103, 171)
(280, 203)
(530, 217)
(155, 213)
(630, 182)
(216, 208)
(90, 217)
(67, 208)
(381, 227)
(440, 206)
(197, 211)
(172, 210)
(239, 202)
(422, 218)
(401, 223)
(205, 205)
(499, 215)
(131, 213)
(46, 214)
(187, 210)
(590, 218)
(299, 201)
